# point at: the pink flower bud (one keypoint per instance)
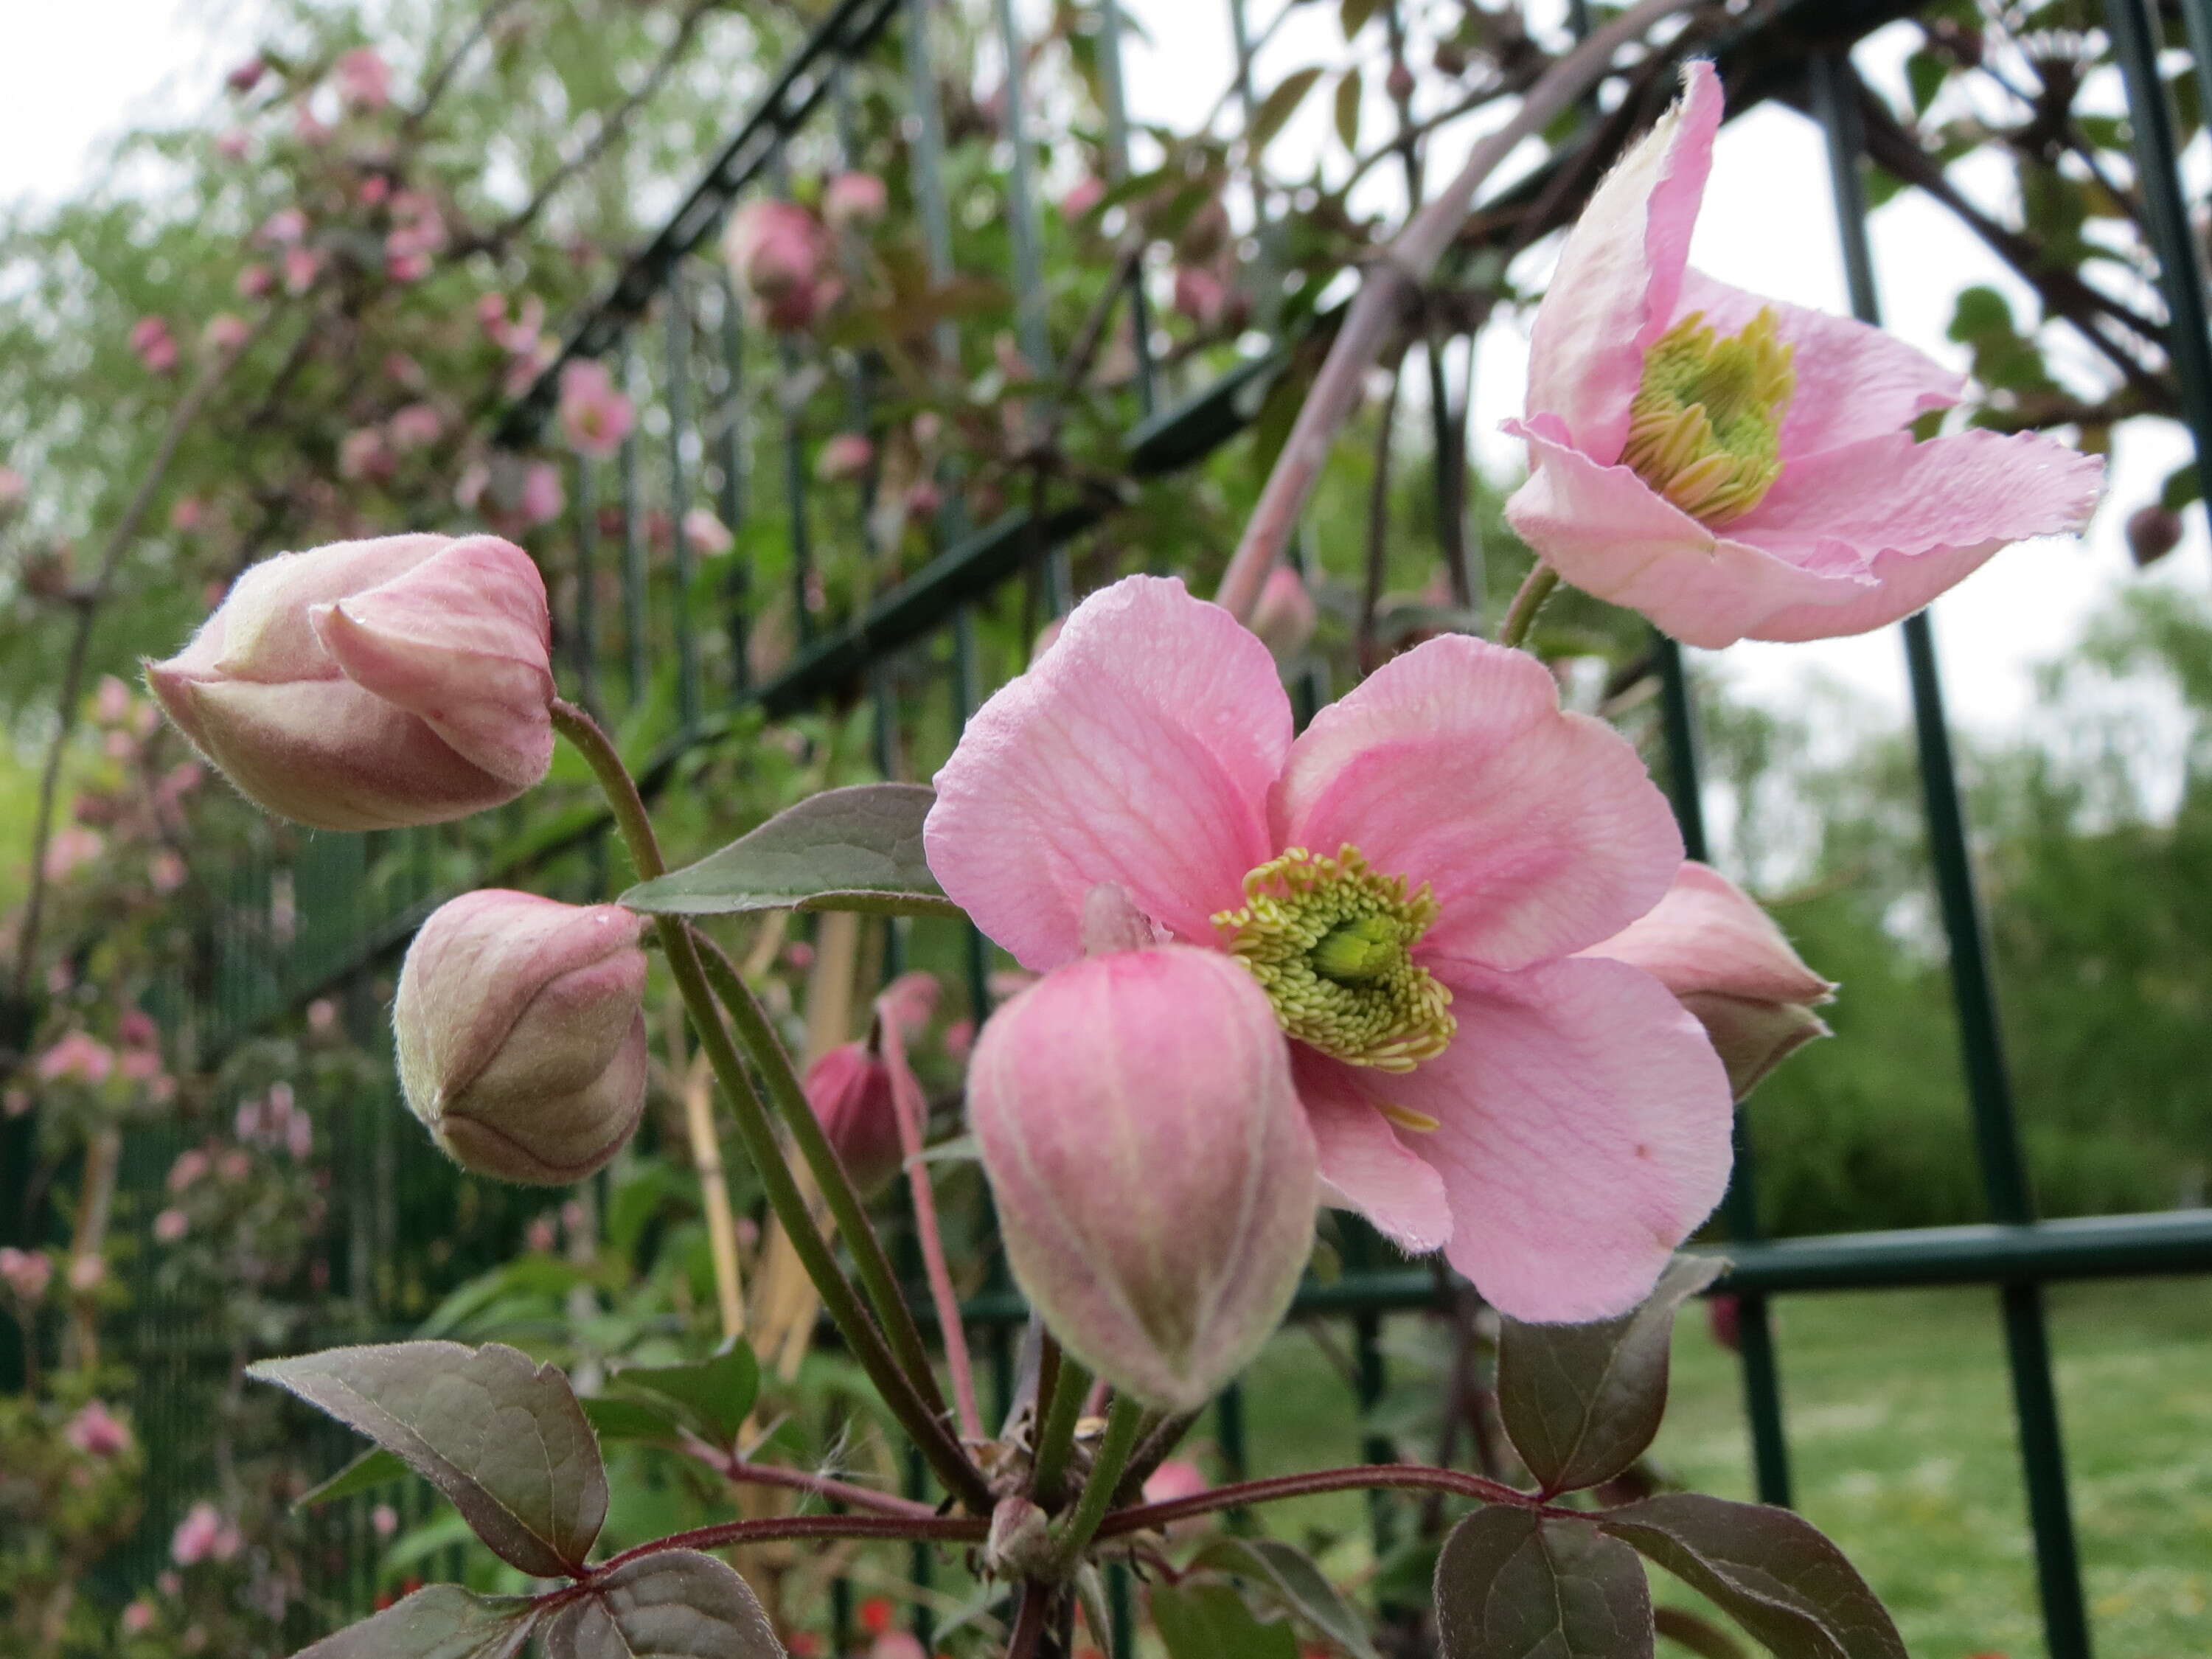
(171, 1225)
(850, 1090)
(521, 1033)
(373, 685)
(844, 459)
(1284, 618)
(26, 1272)
(302, 266)
(138, 1616)
(198, 1536)
(224, 333)
(1155, 1174)
(96, 1432)
(232, 142)
(1175, 1478)
(247, 76)
(776, 253)
(77, 1057)
(595, 416)
(373, 191)
(1728, 965)
(87, 1273)
(190, 1167)
(854, 199)
(364, 453)
(363, 78)
(255, 282)
(384, 1520)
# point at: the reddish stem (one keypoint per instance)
(738, 1471)
(908, 1105)
(784, 1529)
(1281, 1486)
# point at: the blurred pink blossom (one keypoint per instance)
(373, 191)
(86, 1273)
(1082, 196)
(186, 514)
(155, 346)
(255, 281)
(12, 488)
(191, 1165)
(77, 1057)
(283, 228)
(70, 848)
(138, 1616)
(26, 1272)
(363, 78)
(232, 142)
(852, 199)
(203, 1536)
(302, 266)
(844, 458)
(112, 701)
(247, 76)
(706, 535)
(306, 126)
(170, 1225)
(595, 414)
(384, 1520)
(365, 453)
(136, 1029)
(417, 426)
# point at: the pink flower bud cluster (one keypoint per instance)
(155, 346)
(26, 1274)
(779, 257)
(96, 1432)
(204, 1534)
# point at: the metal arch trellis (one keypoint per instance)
(1795, 49)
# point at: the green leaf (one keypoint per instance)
(1348, 88)
(442, 1622)
(1769, 1570)
(1353, 15)
(858, 848)
(1581, 1402)
(1211, 1621)
(1277, 107)
(2181, 487)
(501, 1437)
(627, 1419)
(1513, 1584)
(1291, 1575)
(712, 1398)
(671, 1604)
(1923, 77)
(373, 1468)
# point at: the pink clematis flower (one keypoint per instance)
(1409, 880)
(1735, 467)
(595, 414)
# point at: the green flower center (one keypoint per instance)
(1330, 942)
(1704, 430)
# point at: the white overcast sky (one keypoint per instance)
(72, 74)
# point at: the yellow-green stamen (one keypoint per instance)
(1705, 429)
(1330, 942)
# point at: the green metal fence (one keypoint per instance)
(672, 323)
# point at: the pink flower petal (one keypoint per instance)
(462, 641)
(1582, 1134)
(1708, 935)
(1611, 534)
(1364, 1164)
(1854, 382)
(1921, 518)
(264, 633)
(1619, 274)
(1137, 751)
(1540, 831)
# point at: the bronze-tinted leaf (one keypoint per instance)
(501, 1436)
(1581, 1402)
(442, 1622)
(1513, 1584)
(671, 1604)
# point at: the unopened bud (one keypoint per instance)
(1284, 617)
(2154, 531)
(852, 199)
(1729, 966)
(1155, 1175)
(373, 685)
(521, 1033)
(850, 1090)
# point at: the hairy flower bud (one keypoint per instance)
(1155, 1174)
(373, 684)
(521, 1035)
(1729, 965)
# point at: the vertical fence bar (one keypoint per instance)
(2134, 29)
(1762, 1370)
(635, 654)
(737, 586)
(679, 496)
(1989, 1089)
(1117, 167)
(1021, 202)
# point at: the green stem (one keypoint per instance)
(1055, 1433)
(1520, 615)
(754, 1129)
(789, 1098)
(1124, 1421)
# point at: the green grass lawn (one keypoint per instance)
(1900, 1423)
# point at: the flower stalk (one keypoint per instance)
(898, 1386)
(1125, 1422)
